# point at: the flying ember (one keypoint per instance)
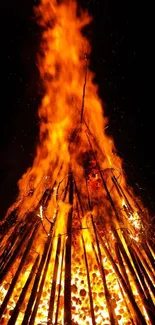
(77, 246)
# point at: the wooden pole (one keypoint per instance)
(16, 276)
(54, 280)
(14, 315)
(139, 317)
(33, 295)
(15, 254)
(59, 290)
(89, 285)
(40, 290)
(67, 282)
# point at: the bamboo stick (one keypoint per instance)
(145, 279)
(9, 246)
(16, 276)
(133, 274)
(67, 282)
(36, 283)
(138, 206)
(39, 293)
(59, 290)
(116, 185)
(89, 285)
(139, 317)
(121, 265)
(14, 315)
(123, 193)
(107, 293)
(54, 280)
(15, 254)
(127, 307)
(106, 290)
(150, 257)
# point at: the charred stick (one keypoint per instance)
(128, 262)
(139, 317)
(54, 280)
(16, 276)
(39, 293)
(89, 285)
(10, 245)
(59, 290)
(13, 318)
(106, 291)
(144, 267)
(114, 179)
(149, 256)
(36, 283)
(128, 309)
(15, 254)
(116, 185)
(136, 203)
(122, 267)
(67, 282)
(144, 295)
(145, 279)
(133, 273)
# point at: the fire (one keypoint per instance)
(77, 250)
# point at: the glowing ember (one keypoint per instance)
(77, 250)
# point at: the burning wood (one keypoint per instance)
(75, 248)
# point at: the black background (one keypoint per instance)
(121, 58)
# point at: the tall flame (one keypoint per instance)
(62, 65)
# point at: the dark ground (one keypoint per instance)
(121, 57)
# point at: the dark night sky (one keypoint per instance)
(120, 37)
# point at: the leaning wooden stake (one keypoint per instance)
(59, 289)
(16, 276)
(67, 282)
(54, 280)
(89, 285)
(36, 282)
(139, 317)
(11, 258)
(13, 318)
(40, 290)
